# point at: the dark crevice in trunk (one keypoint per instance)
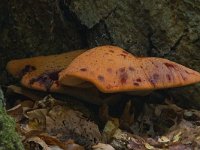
(64, 6)
(151, 45)
(176, 44)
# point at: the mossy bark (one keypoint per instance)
(9, 139)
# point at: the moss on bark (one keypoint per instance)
(9, 139)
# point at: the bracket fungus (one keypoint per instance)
(112, 69)
(41, 73)
(109, 68)
(19, 67)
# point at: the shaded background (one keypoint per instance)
(163, 28)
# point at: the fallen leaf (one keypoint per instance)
(176, 138)
(32, 94)
(73, 146)
(148, 146)
(35, 142)
(163, 139)
(101, 146)
(16, 112)
(111, 126)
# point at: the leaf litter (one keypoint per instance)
(53, 120)
(51, 124)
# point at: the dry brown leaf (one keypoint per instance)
(101, 146)
(35, 142)
(111, 126)
(16, 112)
(70, 145)
(50, 143)
(49, 140)
(125, 140)
(32, 94)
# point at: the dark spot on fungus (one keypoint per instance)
(123, 55)
(122, 69)
(109, 70)
(26, 69)
(131, 68)
(101, 78)
(111, 51)
(153, 80)
(138, 80)
(125, 52)
(33, 80)
(123, 77)
(136, 84)
(47, 79)
(57, 83)
(83, 69)
(154, 64)
(109, 86)
(53, 75)
(168, 65)
(187, 72)
(168, 77)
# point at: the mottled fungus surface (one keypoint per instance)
(112, 69)
(41, 72)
